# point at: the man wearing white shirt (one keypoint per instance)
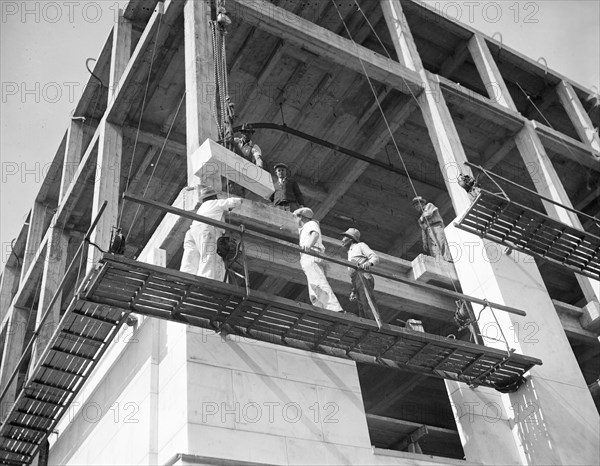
(319, 290)
(200, 243)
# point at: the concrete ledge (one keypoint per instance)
(427, 268)
(211, 161)
(590, 320)
(416, 458)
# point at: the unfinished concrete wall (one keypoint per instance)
(176, 391)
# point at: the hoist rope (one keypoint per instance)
(137, 133)
(162, 149)
(373, 29)
(385, 119)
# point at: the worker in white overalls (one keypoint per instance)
(319, 290)
(200, 243)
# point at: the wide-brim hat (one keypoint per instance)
(304, 212)
(281, 165)
(352, 233)
(419, 200)
(206, 193)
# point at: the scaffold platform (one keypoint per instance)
(497, 218)
(121, 286)
(83, 335)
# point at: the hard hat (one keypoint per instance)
(207, 192)
(304, 212)
(418, 200)
(352, 233)
(246, 129)
(281, 165)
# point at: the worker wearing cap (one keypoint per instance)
(432, 230)
(245, 147)
(363, 256)
(200, 243)
(319, 290)
(287, 195)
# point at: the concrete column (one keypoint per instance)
(54, 270)
(13, 349)
(110, 148)
(578, 116)
(35, 233)
(72, 155)
(8, 287)
(489, 72)
(121, 52)
(199, 79)
(106, 188)
(548, 184)
(551, 419)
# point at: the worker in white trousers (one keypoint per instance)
(200, 243)
(319, 290)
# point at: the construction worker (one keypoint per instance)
(245, 147)
(319, 290)
(200, 243)
(432, 230)
(287, 195)
(361, 254)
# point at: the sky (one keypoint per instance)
(44, 46)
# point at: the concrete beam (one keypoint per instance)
(303, 33)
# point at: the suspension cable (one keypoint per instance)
(162, 149)
(387, 123)
(137, 133)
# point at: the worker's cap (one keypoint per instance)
(352, 233)
(419, 200)
(281, 165)
(304, 212)
(246, 129)
(207, 192)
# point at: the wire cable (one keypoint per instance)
(156, 163)
(137, 134)
(387, 123)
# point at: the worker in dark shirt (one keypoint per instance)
(287, 195)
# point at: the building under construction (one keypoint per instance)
(112, 355)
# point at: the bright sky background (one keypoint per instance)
(44, 45)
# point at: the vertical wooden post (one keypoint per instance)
(199, 79)
(548, 184)
(578, 116)
(72, 155)
(489, 72)
(35, 233)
